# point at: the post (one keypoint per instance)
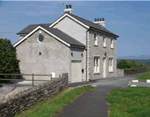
(50, 77)
(15, 81)
(32, 79)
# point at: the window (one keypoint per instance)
(104, 41)
(111, 45)
(40, 38)
(95, 40)
(96, 64)
(110, 64)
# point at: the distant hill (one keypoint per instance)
(135, 57)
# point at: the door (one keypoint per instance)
(76, 71)
(104, 67)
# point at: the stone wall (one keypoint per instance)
(134, 71)
(27, 98)
(99, 51)
(54, 56)
(120, 72)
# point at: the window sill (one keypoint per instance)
(112, 48)
(111, 71)
(95, 45)
(96, 73)
(104, 46)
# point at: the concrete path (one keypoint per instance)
(93, 103)
(140, 84)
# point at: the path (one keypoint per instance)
(93, 103)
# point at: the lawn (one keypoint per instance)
(54, 105)
(143, 77)
(129, 102)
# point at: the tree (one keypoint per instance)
(8, 60)
(132, 64)
(122, 64)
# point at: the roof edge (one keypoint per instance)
(104, 32)
(35, 29)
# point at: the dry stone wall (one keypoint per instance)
(25, 99)
(120, 72)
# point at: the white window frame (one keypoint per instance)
(95, 40)
(104, 41)
(110, 67)
(96, 64)
(112, 43)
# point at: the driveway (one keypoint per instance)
(93, 103)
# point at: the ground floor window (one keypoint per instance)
(110, 64)
(96, 64)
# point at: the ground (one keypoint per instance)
(93, 103)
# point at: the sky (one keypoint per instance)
(129, 20)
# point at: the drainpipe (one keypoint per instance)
(86, 54)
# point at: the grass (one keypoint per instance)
(143, 77)
(55, 104)
(129, 102)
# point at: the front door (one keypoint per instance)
(104, 67)
(76, 75)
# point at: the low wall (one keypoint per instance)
(134, 71)
(29, 97)
(120, 72)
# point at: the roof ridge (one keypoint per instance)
(86, 20)
(39, 24)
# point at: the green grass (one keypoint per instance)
(130, 102)
(143, 77)
(55, 104)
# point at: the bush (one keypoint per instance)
(123, 64)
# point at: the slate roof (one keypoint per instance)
(65, 37)
(91, 24)
(29, 28)
(73, 42)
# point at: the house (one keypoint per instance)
(85, 50)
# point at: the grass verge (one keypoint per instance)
(55, 104)
(143, 77)
(129, 102)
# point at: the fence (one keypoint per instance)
(23, 100)
(134, 71)
(14, 78)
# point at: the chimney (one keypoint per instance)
(100, 21)
(68, 9)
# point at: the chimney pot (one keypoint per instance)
(68, 9)
(100, 21)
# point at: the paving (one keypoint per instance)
(93, 103)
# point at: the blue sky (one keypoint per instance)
(129, 20)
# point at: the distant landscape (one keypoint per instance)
(139, 59)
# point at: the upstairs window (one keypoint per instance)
(104, 41)
(40, 38)
(111, 43)
(95, 40)
(96, 64)
(110, 64)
